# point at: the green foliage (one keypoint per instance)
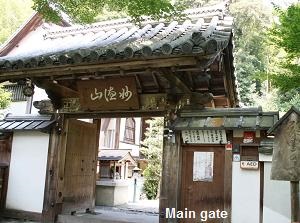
(12, 14)
(251, 21)
(285, 36)
(152, 149)
(85, 11)
(286, 33)
(286, 99)
(5, 98)
(294, 101)
(152, 180)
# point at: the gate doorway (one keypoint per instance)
(80, 182)
(124, 70)
(79, 167)
(202, 178)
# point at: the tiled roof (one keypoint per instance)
(293, 109)
(205, 31)
(115, 155)
(26, 123)
(229, 118)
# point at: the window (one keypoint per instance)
(129, 135)
(109, 138)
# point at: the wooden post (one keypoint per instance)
(115, 170)
(295, 202)
(98, 123)
(171, 175)
(50, 207)
(126, 170)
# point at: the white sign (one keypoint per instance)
(236, 157)
(203, 166)
(249, 165)
(204, 136)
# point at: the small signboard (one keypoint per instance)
(203, 166)
(236, 158)
(252, 165)
(204, 136)
(108, 94)
(248, 137)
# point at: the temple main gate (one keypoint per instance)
(121, 70)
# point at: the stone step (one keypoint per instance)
(86, 219)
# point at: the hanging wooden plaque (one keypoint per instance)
(217, 136)
(108, 94)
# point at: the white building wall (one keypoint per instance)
(245, 195)
(277, 206)
(39, 94)
(27, 171)
(134, 147)
(17, 108)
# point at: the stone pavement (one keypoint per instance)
(143, 211)
(142, 206)
(5, 220)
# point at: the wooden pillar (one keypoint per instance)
(171, 174)
(98, 123)
(122, 169)
(126, 170)
(295, 202)
(52, 205)
(227, 184)
(115, 170)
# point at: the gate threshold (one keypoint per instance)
(108, 216)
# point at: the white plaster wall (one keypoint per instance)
(135, 148)
(111, 126)
(277, 207)
(39, 94)
(245, 194)
(17, 108)
(27, 171)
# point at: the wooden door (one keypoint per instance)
(202, 187)
(2, 176)
(80, 167)
(5, 154)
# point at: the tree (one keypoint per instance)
(5, 99)
(285, 35)
(12, 14)
(251, 21)
(152, 149)
(87, 10)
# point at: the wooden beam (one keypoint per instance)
(58, 89)
(126, 65)
(175, 80)
(155, 80)
(228, 78)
